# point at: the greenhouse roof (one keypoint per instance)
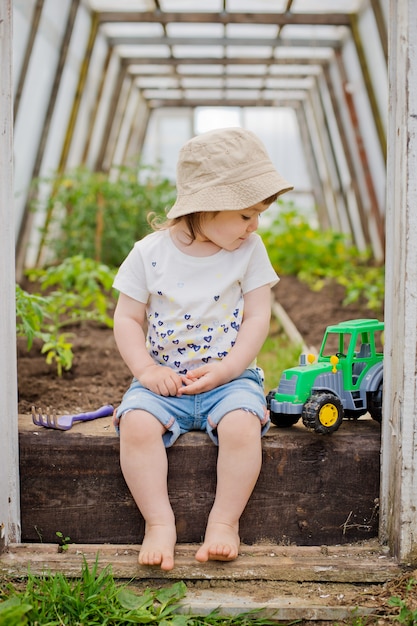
(228, 52)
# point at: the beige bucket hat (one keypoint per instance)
(225, 169)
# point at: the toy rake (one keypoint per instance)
(65, 422)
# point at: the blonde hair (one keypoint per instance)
(193, 221)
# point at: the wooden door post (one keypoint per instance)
(9, 475)
(399, 425)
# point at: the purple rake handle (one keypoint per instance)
(66, 421)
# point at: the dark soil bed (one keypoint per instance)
(99, 376)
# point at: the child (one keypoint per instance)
(192, 315)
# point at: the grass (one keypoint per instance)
(96, 599)
(277, 354)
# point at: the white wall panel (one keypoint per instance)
(167, 131)
(88, 103)
(35, 97)
(103, 110)
(22, 17)
(366, 121)
(60, 118)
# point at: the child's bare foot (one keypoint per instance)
(158, 547)
(221, 543)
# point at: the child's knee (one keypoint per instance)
(140, 427)
(239, 423)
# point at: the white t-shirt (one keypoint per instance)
(194, 304)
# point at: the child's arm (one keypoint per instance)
(129, 324)
(250, 338)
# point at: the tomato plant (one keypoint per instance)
(77, 290)
(100, 216)
(318, 256)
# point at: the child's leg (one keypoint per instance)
(144, 465)
(238, 466)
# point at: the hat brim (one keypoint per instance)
(230, 197)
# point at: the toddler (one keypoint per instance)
(192, 315)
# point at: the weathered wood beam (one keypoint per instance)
(82, 80)
(313, 170)
(375, 213)
(34, 25)
(230, 102)
(298, 42)
(9, 449)
(359, 223)
(281, 19)
(111, 112)
(382, 27)
(356, 563)
(139, 123)
(96, 104)
(305, 60)
(289, 74)
(370, 90)
(399, 423)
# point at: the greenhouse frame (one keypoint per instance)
(332, 91)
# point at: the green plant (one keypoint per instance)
(406, 614)
(317, 256)
(277, 354)
(30, 312)
(96, 599)
(77, 290)
(63, 540)
(98, 215)
(83, 289)
(34, 320)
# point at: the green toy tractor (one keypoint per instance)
(344, 380)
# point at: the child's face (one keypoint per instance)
(229, 229)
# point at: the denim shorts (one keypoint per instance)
(202, 411)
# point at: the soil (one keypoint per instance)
(99, 376)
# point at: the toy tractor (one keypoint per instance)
(344, 380)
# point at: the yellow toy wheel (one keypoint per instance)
(328, 415)
(323, 412)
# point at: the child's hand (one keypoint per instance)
(161, 380)
(204, 378)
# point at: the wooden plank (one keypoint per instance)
(159, 103)
(366, 562)
(9, 476)
(312, 489)
(273, 42)
(280, 19)
(230, 62)
(399, 450)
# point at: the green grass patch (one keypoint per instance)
(277, 354)
(96, 599)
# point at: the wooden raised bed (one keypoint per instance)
(313, 490)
